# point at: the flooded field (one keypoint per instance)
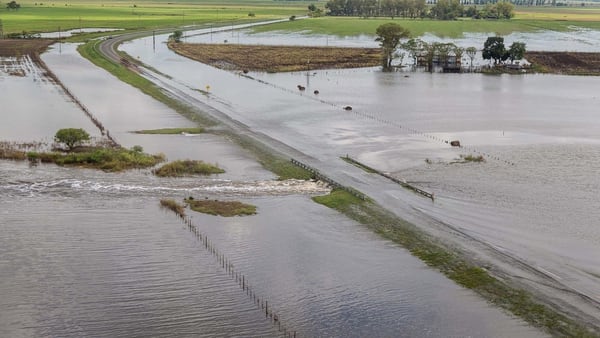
(534, 197)
(87, 253)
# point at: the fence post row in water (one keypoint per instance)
(94, 120)
(393, 179)
(260, 302)
(329, 181)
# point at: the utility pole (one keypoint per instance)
(1, 30)
(154, 40)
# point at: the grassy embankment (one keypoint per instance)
(455, 265)
(281, 167)
(49, 16)
(187, 168)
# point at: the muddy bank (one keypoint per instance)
(278, 58)
(569, 63)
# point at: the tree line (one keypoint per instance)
(428, 54)
(442, 10)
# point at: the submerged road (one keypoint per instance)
(405, 204)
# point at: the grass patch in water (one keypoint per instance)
(468, 158)
(172, 205)
(456, 265)
(170, 131)
(186, 168)
(338, 199)
(221, 208)
(107, 159)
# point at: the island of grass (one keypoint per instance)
(187, 168)
(107, 159)
(221, 208)
(278, 58)
(171, 131)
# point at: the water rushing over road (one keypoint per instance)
(86, 253)
(546, 125)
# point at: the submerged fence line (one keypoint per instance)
(374, 117)
(75, 100)
(261, 303)
(391, 178)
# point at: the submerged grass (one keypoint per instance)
(171, 131)
(221, 208)
(454, 264)
(187, 168)
(172, 205)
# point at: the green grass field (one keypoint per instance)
(527, 20)
(49, 16)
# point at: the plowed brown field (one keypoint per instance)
(571, 63)
(278, 58)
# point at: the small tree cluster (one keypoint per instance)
(494, 49)
(176, 36)
(13, 5)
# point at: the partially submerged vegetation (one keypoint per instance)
(469, 158)
(171, 131)
(99, 155)
(172, 205)
(278, 58)
(186, 168)
(221, 208)
(456, 265)
(107, 159)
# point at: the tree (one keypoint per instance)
(493, 48)
(516, 51)
(71, 137)
(447, 9)
(471, 52)
(389, 35)
(505, 10)
(13, 5)
(176, 36)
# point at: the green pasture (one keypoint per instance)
(527, 19)
(49, 16)
(352, 26)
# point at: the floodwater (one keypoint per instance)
(71, 32)
(87, 253)
(535, 198)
